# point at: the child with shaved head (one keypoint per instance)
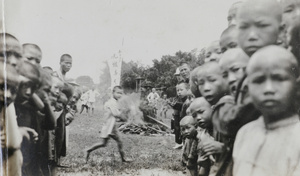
(188, 126)
(184, 95)
(201, 111)
(231, 112)
(229, 38)
(109, 130)
(32, 53)
(233, 65)
(214, 88)
(259, 24)
(272, 74)
(211, 84)
(213, 52)
(26, 115)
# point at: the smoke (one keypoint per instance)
(130, 106)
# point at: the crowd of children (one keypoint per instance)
(36, 106)
(238, 112)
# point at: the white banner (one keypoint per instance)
(115, 65)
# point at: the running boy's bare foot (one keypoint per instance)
(128, 160)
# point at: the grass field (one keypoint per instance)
(152, 155)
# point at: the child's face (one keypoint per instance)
(46, 88)
(164, 96)
(56, 88)
(229, 40)
(211, 84)
(117, 94)
(182, 91)
(188, 130)
(271, 85)
(153, 90)
(185, 71)
(202, 113)
(61, 103)
(213, 52)
(233, 66)
(291, 12)
(26, 88)
(66, 64)
(259, 25)
(74, 98)
(32, 55)
(12, 50)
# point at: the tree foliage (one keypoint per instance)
(85, 81)
(161, 74)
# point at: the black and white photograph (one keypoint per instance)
(150, 87)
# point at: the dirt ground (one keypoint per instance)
(152, 155)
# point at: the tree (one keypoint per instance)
(130, 71)
(161, 74)
(85, 81)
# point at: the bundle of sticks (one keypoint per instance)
(146, 129)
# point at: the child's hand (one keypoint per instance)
(29, 133)
(212, 147)
(190, 163)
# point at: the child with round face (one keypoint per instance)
(11, 48)
(75, 97)
(46, 82)
(272, 74)
(29, 81)
(183, 89)
(229, 38)
(188, 127)
(259, 24)
(61, 103)
(56, 88)
(213, 52)
(32, 53)
(211, 83)
(201, 110)
(233, 66)
(272, 77)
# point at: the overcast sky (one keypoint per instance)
(93, 30)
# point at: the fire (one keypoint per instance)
(129, 104)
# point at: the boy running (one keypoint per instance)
(109, 130)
